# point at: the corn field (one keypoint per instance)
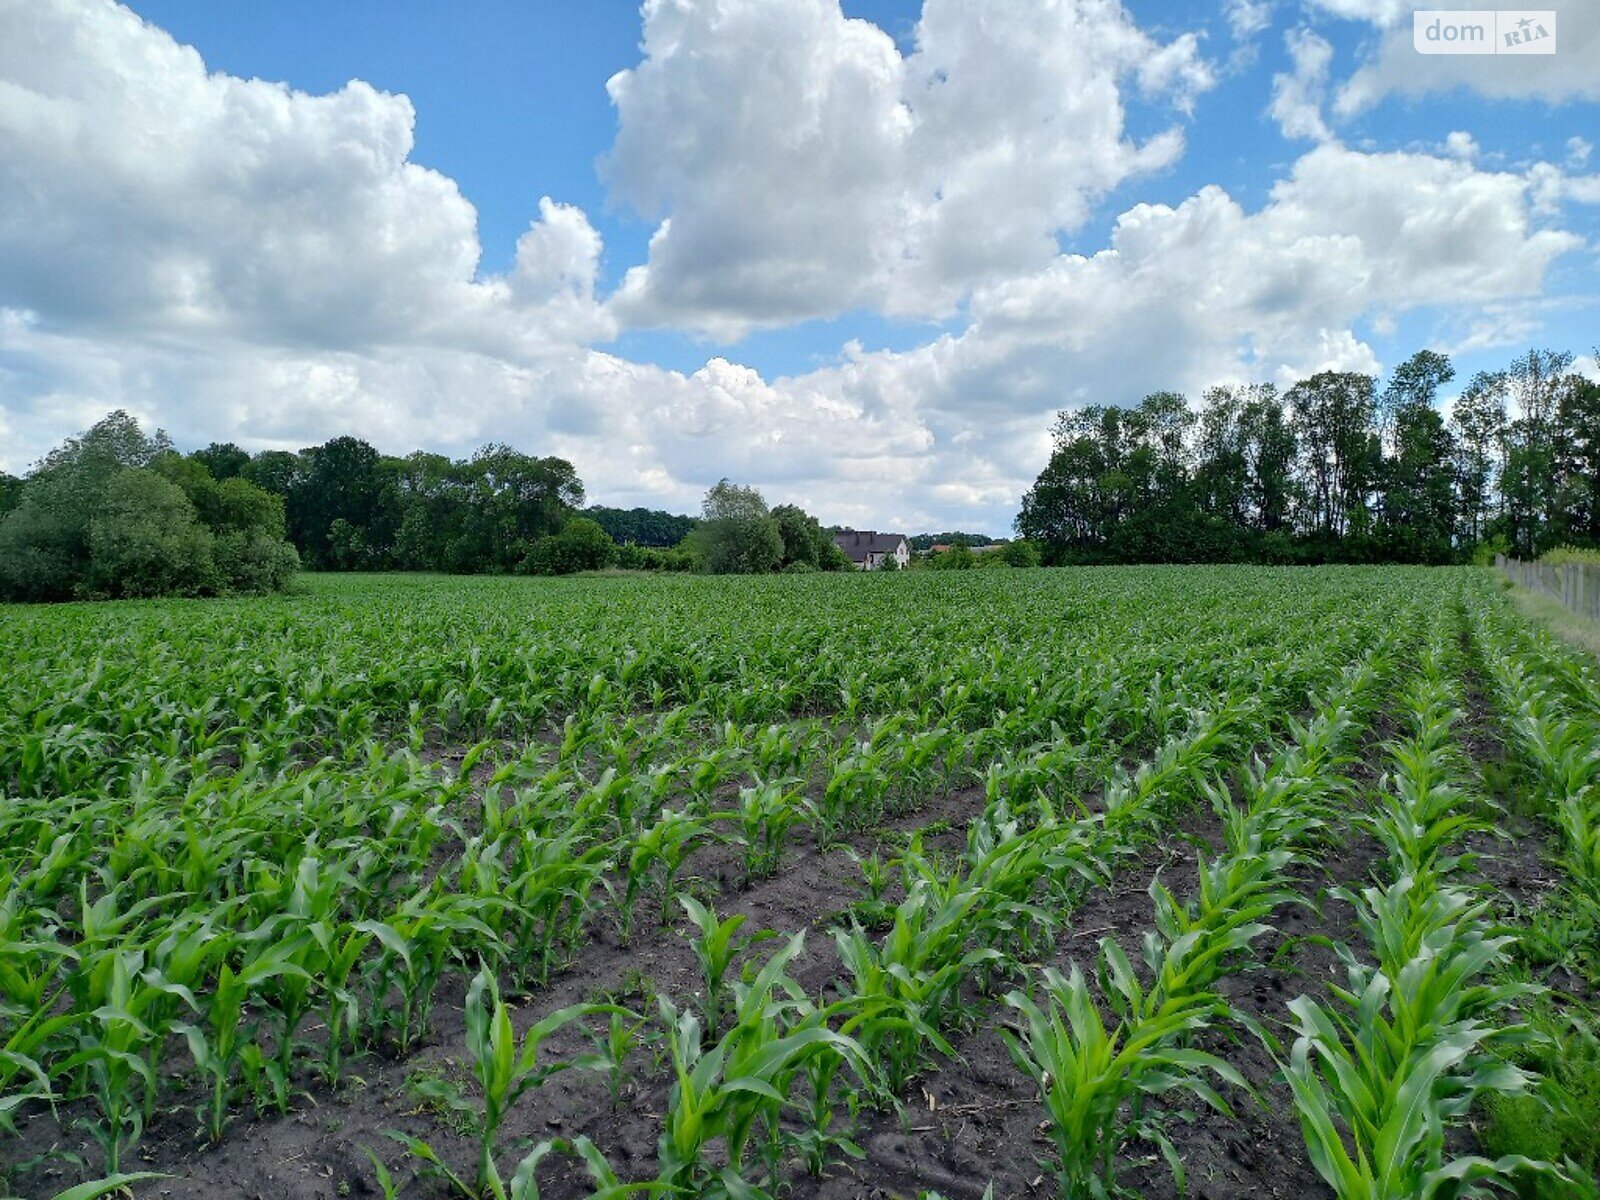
(1116, 881)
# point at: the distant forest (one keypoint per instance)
(1333, 469)
(642, 526)
(350, 508)
(115, 512)
(118, 513)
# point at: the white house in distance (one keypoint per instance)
(869, 549)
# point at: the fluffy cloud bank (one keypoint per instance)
(139, 191)
(236, 260)
(1208, 292)
(848, 176)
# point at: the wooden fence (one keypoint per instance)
(1575, 585)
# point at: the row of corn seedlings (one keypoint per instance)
(1543, 697)
(1384, 1069)
(1096, 1077)
(1552, 715)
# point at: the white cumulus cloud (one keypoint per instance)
(137, 189)
(803, 167)
(1206, 292)
(1246, 18)
(1378, 12)
(1298, 96)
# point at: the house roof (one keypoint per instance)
(859, 543)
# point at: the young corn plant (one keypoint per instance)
(886, 1009)
(552, 892)
(504, 1069)
(783, 751)
(216, 1043)
(343, 947)
(715, 949)
(1374, 1105)
(767, 812)
(1093, 1079)
(607, 1184)
(23, 1057)
(853, 796)
(114, 1051)
(434, 928)
(1031, 878)
(734, 1091)
(308, 925)
(940, 935)
(1192, 946)
(1564, 754)
(818, 1140)
(660, 851)
(624, 1033)
(876, 874)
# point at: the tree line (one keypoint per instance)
(1332, 469)
(118, 513)
(503, 511)
(924, 542)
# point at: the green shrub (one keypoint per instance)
(146, 540)
(1020, 553)
(115, 513)
(40, 555)
(957, 558)
(1483, 554)
(254, 562)
(580, 546)
(737, 534)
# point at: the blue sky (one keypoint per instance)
(883, 255)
